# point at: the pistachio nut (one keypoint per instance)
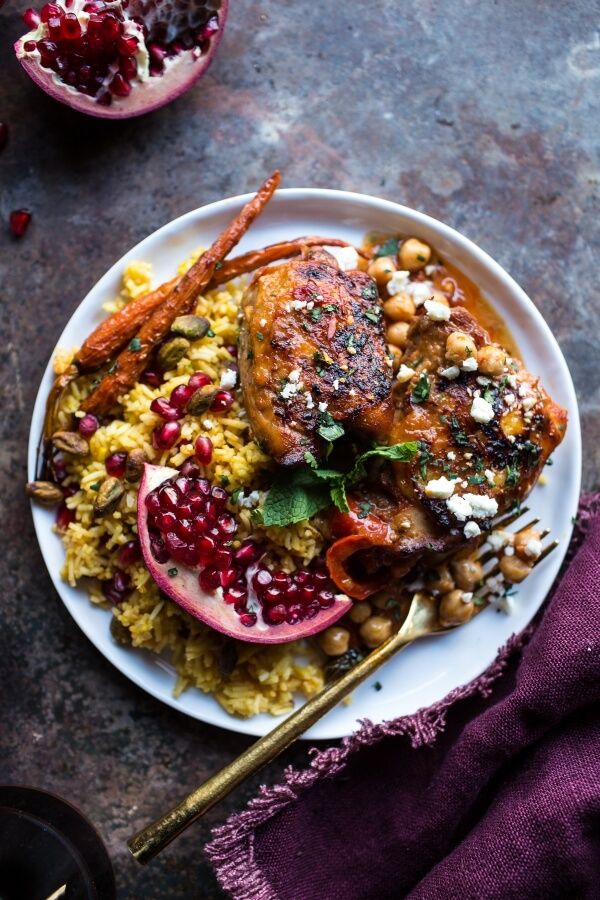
(134, 467)
(107, 499)
(200, 400)
(170, 353)
(45, 492)
(191, 327)
(70, 442)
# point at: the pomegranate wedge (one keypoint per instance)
(185, 533)
(119, 58)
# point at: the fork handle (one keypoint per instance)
(155, 837)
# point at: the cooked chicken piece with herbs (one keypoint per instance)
(482, 440)
(313, 357)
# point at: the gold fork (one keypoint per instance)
(421, 621)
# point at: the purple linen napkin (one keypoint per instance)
(492, 793)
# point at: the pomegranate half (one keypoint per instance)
(120, 58)
(185, 535)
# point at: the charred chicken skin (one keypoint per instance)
(482, 442)
(313, 356)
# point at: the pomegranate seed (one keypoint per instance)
(222, 558)
(60, 470)
(294, 614)
(152, 502)
(54, 25)
(127, 44)
(203, 449)
(189, 468)
(262, 579)
(302, 576)
(158, 549)
(104, 99)
(272, 595)
(232, 350)
(169, 496)
(157, 53)
(88, 426)
(183, 485)
(18, 221)
(166, 436)
(29, 46)
(166, 521)
(129, 553)
(247, 553)
(117, 588)
(154, 379)
(202, 485)
(226, 525)
(311, 610)
(180, 396)
(207, 31)
(275, 615)
(219, 495)
(163, 408)
(119, 87)
(111, 28)
(281, 580)
(31, 18)
(200, 525)
(4, 126)
(248, 619)
(222, 402)
(64, 517)
(199, 380)
(292, 594)
(209, 579)
(228, 577)
(128, 68)
(185, 530)
(235, 595)
(206, 546)
(326, 599)
(115, 464)
(308, 593)
(50, 11)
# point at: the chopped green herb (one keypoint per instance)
(378, 685)
(328, 428)
(172, 572)
(330, 307)
(95, 486)
(249, 355)
(476, 479)
(210, 333)
(478, 601)
(575, 520)
(235, 496)
(425, 457)
(364, 508)
(260, 336)
(389, 248)
(316, 313)
(421, 390)
(373, 315)
(219, 265)
(489, 394)
(224, 480)
(113, 368)
(135, 344)
(512, 475)
(369, 292)
(549, 461)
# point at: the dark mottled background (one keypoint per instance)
(482, 114)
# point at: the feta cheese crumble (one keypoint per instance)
(228, 379)
(439, 488)
(450, 373)
(476, 506)
(459, 507)
(437, 311)
(398, 282)
(481, 410)
(470, 364)
(347, 257)
(420, 291)
(471, 530)
(533, 548)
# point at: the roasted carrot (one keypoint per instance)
(131, 362)
(119, 328)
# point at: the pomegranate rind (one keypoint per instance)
(183, 588)
(182, 73)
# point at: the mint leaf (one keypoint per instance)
(293, 499)
(421, 390)
(389, 248)
(328, 428)
(399, 452)
(337, 492)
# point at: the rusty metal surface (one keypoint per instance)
(482, 114)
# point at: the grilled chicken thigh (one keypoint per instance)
(483, 441)
(313, 356)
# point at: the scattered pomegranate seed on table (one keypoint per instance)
(18, 221)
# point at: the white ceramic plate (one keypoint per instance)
(427, 671)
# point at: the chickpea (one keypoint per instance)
(397, 334)
(334, 641)
(444, 583)
(381, 269)
(460, 346)
(467, 573)
(400, 308)
(360, 612)
(439, 297)
(454, 610)
(396, 354)
(514, 568)
(491, 359)
(414, 254)
(375, 631)
(527, 544)
(380, 601)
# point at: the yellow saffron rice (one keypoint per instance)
(264, 678)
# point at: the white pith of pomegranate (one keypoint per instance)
(185, 533)
(120, 58)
